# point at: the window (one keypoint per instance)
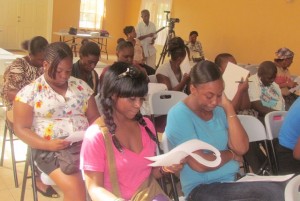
(158, 16)
(91, 14)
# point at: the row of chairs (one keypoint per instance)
(161, 100)
(257, 132)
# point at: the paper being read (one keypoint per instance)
(232, 74)
(183, 150)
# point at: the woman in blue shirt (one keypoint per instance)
(208, 115)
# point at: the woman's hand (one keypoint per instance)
(244, 85)
(225, 101)
(291, 84)
(185, 78)
(174, 168)
(57, 144)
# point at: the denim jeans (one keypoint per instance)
(239, 191)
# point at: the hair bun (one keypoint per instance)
(175, 43)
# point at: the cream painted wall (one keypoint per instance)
(252, 30)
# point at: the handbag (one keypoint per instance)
(148, 190)
(69, 158)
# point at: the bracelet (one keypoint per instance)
(163, 170)
(230, 116)
(232, 154)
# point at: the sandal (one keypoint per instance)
(50, 192)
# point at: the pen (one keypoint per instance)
(241, 81)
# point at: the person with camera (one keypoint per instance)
(146, 33)
(195, 47)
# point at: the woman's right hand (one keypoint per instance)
(185, 78)
(57, 144)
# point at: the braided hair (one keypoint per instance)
(54, 54)
(122, 80)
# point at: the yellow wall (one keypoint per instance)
(252, 30)
(65, 15)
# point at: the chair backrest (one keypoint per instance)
(152, 78)
(161, 102)
(155, 87)
(291, 192)
(273, 122)
(253, 127)
(165, 145)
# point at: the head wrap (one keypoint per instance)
(284, 53)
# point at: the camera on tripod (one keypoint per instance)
(171, 23)
(174, 20)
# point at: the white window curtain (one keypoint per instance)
(91, 14)
(158, 16)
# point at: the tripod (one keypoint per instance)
(171, 34)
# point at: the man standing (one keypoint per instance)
(146, 34)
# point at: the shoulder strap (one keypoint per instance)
(110, 156)
(94, 80)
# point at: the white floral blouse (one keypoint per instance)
(55, 116)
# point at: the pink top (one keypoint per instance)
(132, 168)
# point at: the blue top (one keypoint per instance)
(183, 125)
(290, 129)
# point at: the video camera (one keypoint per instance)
(174, 20)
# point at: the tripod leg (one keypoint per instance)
(163, 53)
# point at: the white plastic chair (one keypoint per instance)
(152, 88)
(152, 78)
(155, 87)
(273, 122)
(256, 132)
(162, 101)
(291, 192)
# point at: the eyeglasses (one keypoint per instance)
(131, 72)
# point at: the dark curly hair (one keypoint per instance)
(54, 54)
(122, 80)
(177, 48)
(204, 72)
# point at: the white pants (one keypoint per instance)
(151, 61)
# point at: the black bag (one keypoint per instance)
(72, 31)
(69, 158)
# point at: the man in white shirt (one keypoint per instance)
(146, 34)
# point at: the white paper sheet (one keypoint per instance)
(233, 74)
(253, 177)
(185, 149)
(75, 136)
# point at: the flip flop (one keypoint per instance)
(50, 192)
